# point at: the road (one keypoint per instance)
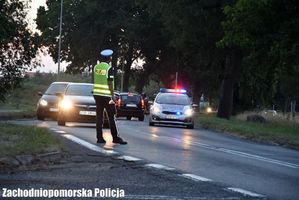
(264, 169)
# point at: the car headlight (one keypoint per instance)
(188, 112)
(156, 110)
(43, 102)
(66, 104)
(209, 109)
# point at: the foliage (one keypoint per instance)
(18, 45)
(283, 134)
(267, 33)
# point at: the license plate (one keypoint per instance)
(131, 105)
(53, 109)
(90, 113)
(171, 117)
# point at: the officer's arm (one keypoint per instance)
(110, 85)
(110, 81)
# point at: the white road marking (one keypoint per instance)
(89, 145)
(129, 158)
(245, 192)
(158, 166)
(60, 131)
(195, 177)
(53, 129)
(237, 153)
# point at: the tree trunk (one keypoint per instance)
(232, 73)
(127, 68)
(114, 66)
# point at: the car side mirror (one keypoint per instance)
(39, 93)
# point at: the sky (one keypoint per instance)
(47, 62)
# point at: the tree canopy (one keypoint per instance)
(242, 53)
(18, 45)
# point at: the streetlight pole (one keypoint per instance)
(59, 42)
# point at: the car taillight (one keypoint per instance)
(142, 103)
(119, 102)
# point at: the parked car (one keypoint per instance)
(129, 105)
(172, 106)
(47, 106)
(77, 104)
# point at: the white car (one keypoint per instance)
(172, 106)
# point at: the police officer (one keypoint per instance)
(104, 97)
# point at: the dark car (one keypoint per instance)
(47, 106)
(77, 104)
(129, 105)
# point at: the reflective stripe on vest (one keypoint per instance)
(100, 86)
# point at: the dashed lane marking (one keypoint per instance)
(158, 166)
(196, 178)
(60, 131)
(129, 158)
(245, 192)
(89, 145)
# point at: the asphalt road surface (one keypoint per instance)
(264, 169)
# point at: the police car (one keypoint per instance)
(172, 106)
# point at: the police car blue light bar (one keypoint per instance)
(165, 90)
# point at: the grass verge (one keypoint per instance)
(282, 134)
(20, 139)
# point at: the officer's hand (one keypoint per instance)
(111, 101)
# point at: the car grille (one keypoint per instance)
(88, 107)
(169, 113)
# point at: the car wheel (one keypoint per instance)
(151, 123)
(141, 118)
(190, 126)
(60, 121)
(129, 118)
(40, 117)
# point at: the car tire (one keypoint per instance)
(190, 126)
(60, 121)
(129, 118)
(40, 117)
(141, 118)
(151, 123)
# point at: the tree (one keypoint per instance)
(264, 33)
(193, 29)
(18, 45)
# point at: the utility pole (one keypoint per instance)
(59, 42)
(122, 78)
(176, 79)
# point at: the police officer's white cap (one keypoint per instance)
(107, 52)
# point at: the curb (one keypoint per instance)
(25, 160)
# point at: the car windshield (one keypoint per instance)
(130, 98)
(177, 99)
(56, 88)
(79, 90)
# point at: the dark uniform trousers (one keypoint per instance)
(103, 102)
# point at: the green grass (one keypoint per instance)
(19, 139)
(283, 134)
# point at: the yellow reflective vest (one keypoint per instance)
(101, 75)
